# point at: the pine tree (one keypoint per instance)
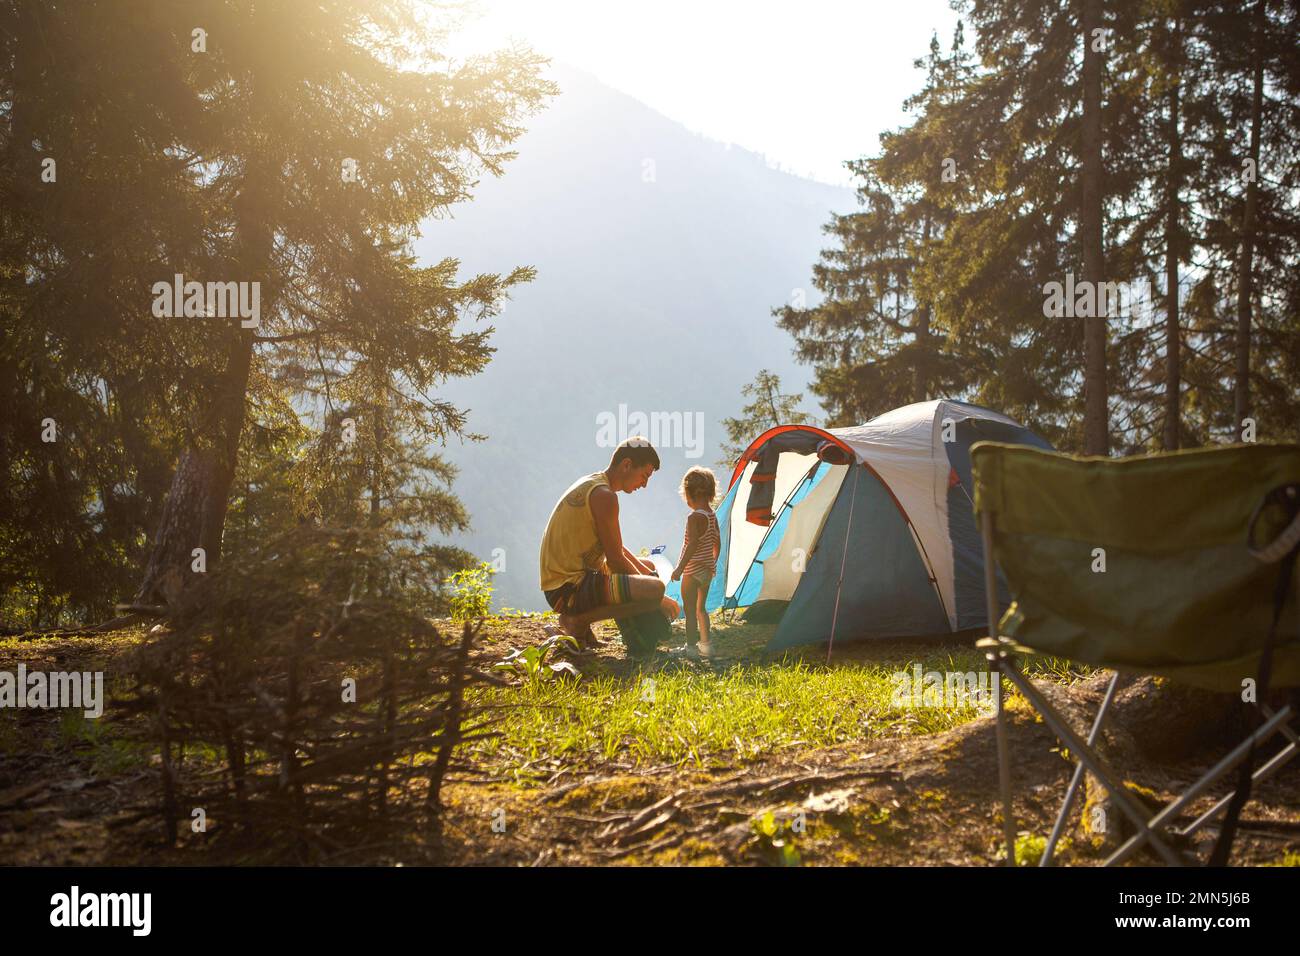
(328, 154)
(92, 198)
(1096, 416)
(193, 140)
(1088, 144)
(767, 408)
(1253, 231)
(872, 340)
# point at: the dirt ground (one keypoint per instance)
(76, 795)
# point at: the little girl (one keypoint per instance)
(699, 555)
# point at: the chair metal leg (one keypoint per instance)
(1236, 756)
(1279, 760)
(1004, 770)
(1066, 733)
(1285, 727)
(995, 671)
(1276, 763)
(1077, 779)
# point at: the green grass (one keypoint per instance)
(706, 718)
(94, 739)
(1060, 669)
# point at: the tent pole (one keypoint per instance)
(848, 528)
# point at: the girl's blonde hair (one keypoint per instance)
(699, 482)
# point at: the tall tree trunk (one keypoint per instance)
(195, 512)
(378, 423)
(153, 477)
(1246, 260)
(1096, 423)
(22, 163)
(1173, 338)
(194, 515)
(19, 181)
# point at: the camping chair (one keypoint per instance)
(1177, 565)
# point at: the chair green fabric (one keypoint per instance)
(1180, 596)
(1142, 565)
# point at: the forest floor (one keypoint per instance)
(744, 759)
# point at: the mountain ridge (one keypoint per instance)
(659, 254)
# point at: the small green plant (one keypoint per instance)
(75, 729)
(776, 837)
(877, 816)
(471, 592)
(93, 739)
(531, 664)
(1029, 849)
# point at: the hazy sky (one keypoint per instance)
(808, 83)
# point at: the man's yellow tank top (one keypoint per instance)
(570, 546)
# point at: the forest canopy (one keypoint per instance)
(149, 144)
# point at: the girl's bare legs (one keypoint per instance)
(703, 617)
(691, 597)
(701, 614)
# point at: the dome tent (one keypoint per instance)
(866, 531)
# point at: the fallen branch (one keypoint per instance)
(765, 786)
(628, 836)
(19, 795)
(641, 823)
(152, 610)
(88, 630)
(663, 843)
(583, 818)
(649, 811)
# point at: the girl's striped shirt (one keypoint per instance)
(706, 550)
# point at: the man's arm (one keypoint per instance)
(604, 509)
(646, 566)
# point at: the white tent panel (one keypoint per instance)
(804, 528)
(746, 537)
(738, 564)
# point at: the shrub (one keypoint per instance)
(332, 703)
(471, 592)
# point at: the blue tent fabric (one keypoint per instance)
(887, 590)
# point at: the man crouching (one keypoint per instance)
(587, 573)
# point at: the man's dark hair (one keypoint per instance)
(637, 450)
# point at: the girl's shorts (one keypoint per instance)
(703, 579)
